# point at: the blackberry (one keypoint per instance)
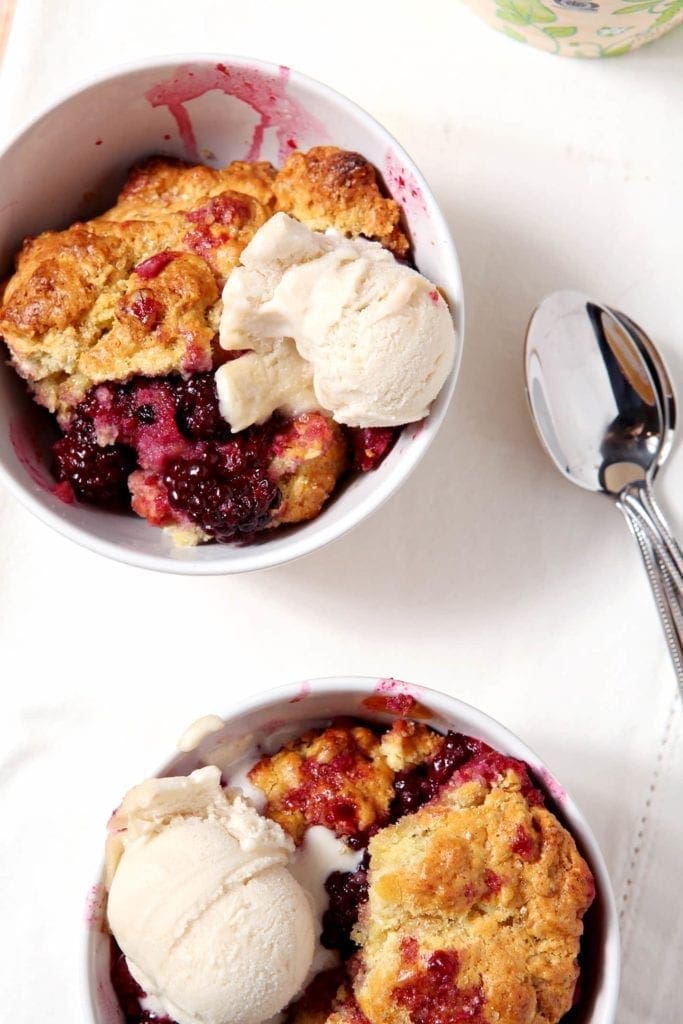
(347, 891)
(222, 503)
(198, 416)
(97, 474)
(413, 787)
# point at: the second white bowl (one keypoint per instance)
(298, 706)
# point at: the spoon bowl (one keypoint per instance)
(603, 405)
(662, 381)
(593, 396)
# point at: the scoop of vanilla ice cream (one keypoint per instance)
(211, 921)
(275, 376)
(332, 323)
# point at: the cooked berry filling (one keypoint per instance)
(347, 891)
(128, 992)
(224, 490)
(371, 445)
(194, 470)
(197, 412)
(96, 475)
(173, 428)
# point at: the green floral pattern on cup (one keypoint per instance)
(582, 28)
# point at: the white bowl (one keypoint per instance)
(69, 164)
(297, 706)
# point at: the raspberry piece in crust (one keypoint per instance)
(330, 187)
(341, 777)
(463, 921)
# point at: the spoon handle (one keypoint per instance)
(666, 590)
(638, 500)
(657, 516)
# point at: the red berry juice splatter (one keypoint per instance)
(403, 186)
(552, 786)
(94, 906)
(397, 698)
(266, 94)
(304, 691)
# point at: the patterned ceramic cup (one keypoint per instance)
(581, 28)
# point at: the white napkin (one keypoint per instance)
(488, 576)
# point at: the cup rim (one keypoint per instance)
(284, 695)
(301, 541)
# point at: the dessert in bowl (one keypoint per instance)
(231, 334)
(428, 867)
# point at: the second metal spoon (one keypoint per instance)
(603, 406)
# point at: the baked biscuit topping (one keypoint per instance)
(468, 904)
(332, 188)
(160, 186)
(70, 314)
(474, 912)
(342, 778)
(121, 313)
(105, 300)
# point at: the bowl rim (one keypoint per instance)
(577, 824)
(299, 543)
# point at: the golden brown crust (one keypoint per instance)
(160, 186)
(311, 778)
(69, 312)
(339, 777)
(331, 187)
(407, 744)
(478, 898)
(312, 455)
(175, 334)
(77, 311)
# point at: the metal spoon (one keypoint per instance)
(667, 403)
(667, 582)
(603, 406)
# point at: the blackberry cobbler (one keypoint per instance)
(465, 900)
(114, 325)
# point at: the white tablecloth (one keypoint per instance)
(488, 576)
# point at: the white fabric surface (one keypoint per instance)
(487, 576)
